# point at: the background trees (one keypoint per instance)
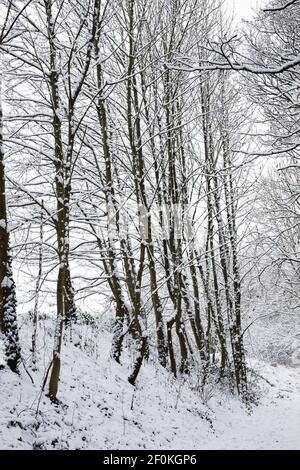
(275, 38)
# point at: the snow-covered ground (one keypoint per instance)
(101, 410)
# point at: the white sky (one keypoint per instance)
(244, 8)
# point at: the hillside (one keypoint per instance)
(101, 410)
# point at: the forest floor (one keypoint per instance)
(100, 410)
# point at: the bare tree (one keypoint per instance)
(8, 317)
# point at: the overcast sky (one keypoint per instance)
(244, 8)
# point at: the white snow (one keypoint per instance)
(6, 282)
(2, 354)
(101, 410)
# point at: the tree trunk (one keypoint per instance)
(37, 291)
(170, 324)
(8, 315)
(138, 363)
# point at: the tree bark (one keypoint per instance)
(8, 303)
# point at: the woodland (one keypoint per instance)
(149, 202)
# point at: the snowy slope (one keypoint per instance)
(101, 410)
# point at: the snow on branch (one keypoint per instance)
(236, 66)
(283, 7)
